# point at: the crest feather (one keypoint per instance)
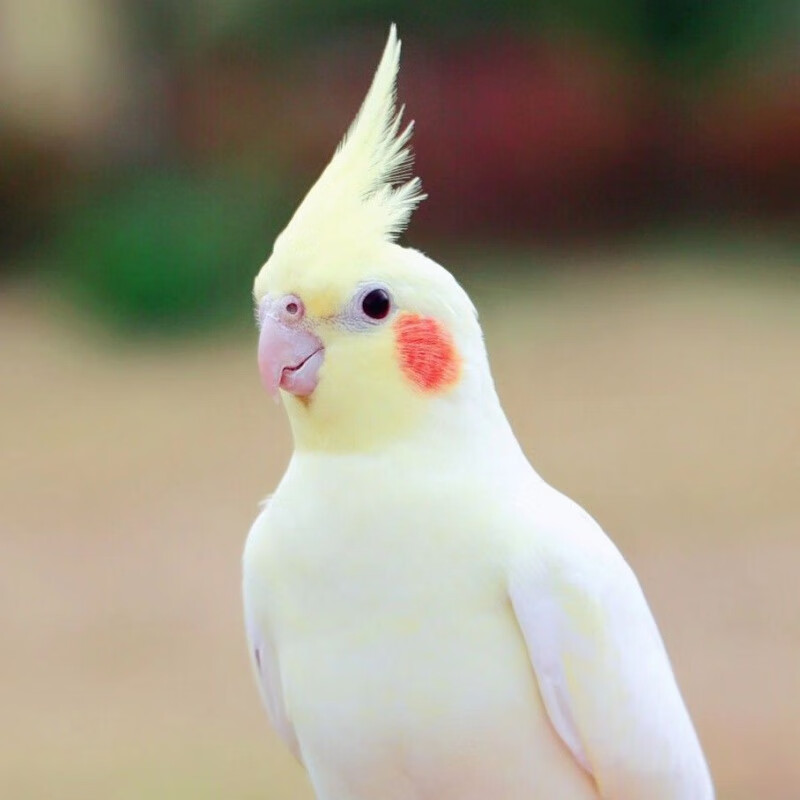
(367, 189)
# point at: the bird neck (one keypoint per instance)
(465, 422)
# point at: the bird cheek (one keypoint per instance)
(427, 353)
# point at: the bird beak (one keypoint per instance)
(289, 357)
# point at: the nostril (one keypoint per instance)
(292, 307)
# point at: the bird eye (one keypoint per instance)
(376, 304)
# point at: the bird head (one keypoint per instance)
(364, 340)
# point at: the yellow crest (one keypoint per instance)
(366, 191)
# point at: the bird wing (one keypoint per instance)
(602, 669)
(264, 659)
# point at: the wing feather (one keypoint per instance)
(602, 669)
(265, 662)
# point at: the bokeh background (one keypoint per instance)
(617, 183)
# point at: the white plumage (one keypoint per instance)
(427, 617)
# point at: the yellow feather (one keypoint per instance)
(364, 195)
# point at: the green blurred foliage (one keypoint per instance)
(170, 251)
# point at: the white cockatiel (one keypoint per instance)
(428, 619)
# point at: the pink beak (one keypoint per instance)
(289, 355)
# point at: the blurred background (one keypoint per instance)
(617, 183)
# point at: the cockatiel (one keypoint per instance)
(428, 619)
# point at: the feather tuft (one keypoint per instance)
(368, 188)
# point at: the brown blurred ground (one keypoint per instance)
(665, 400)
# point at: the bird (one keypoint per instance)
(427, 618)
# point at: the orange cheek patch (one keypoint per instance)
(428, 356)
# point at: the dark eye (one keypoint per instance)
(376, 304)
